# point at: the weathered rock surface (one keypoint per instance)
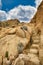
(29, 59)
(14, 41)
(22, 43)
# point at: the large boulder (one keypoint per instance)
(29, 59)
(13, 44)
(20, 33)
(6, 62)
(24, 31)
(11, 31)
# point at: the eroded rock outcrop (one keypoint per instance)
(29, 59)
(14, 41)
(22, 44)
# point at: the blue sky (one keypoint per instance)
(23, 10)
(9, 4)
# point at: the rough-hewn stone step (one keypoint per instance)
(35, 46)
(35, 37)
(34, 51)
(36, 41)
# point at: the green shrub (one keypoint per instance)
(6, 54)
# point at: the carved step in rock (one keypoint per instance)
(36, 41)
(35, 46)
(35, 37)
(34, 51)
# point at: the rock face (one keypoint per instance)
(22, 43)
(38, 21)
(10, 23)
(13, 42)
(41, 46)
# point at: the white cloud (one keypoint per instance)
(37, 2)
(3, 15)
(23, 13)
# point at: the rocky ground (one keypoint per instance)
(19, 46)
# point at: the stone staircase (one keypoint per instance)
(32, 58)
(35, 44)
(32, 54)
(34, 49)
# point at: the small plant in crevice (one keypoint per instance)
(6, 54)
(20, 47)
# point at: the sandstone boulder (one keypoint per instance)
(20, 33)
(12, 31)
(29, 59)
(13, 44)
